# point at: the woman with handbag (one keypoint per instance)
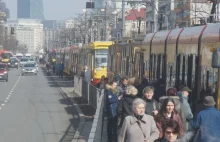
(139, 127)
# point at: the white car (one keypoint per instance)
(29, 68)
(34, 64)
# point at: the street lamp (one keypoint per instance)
(167, 21)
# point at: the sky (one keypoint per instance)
(53, 9)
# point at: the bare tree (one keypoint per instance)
(10, 43)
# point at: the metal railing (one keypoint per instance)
(86, 90)
(95, 98)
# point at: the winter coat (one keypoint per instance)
(131, 131)
(186, 110)
(208, 122)
(111, 101)
(125, 106)
(151, 105)
(161, 122)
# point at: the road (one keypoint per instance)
(33, 109)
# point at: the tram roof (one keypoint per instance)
(191, 35)
(100, 44)
(148, 38)
(211, 33)
(174, 34)
(160, 37)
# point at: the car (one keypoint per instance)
(29, 68)
(31, 60)
(23, 61)
(4, 71)
(13, 62)
(34, 63)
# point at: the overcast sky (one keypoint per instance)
(53, 9)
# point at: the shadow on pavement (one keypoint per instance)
(56, 82)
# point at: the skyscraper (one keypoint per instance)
(23, 8)
(37, 11)
(30, 9)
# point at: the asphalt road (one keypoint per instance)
(33, 109)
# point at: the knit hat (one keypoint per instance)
(171, 92)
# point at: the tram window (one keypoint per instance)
(158, 67)
(155, 67)
(203, 77)
(161, 66)
(127, 66)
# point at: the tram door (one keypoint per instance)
(185, 74)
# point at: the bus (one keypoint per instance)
(6, 56)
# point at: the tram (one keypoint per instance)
(174, 58)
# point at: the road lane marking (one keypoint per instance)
(9, 94)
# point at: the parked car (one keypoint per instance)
(13, 62)
(29, 68)
(4, 72)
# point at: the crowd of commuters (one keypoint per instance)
(140, 114)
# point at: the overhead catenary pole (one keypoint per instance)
(123, 18)
(106, 23)
(155, 15)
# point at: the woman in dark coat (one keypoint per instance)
(125, 104)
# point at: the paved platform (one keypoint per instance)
(85, 112)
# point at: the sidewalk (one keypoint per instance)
(86, 114)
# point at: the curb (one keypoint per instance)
(81, 117)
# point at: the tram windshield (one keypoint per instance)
(101, 58)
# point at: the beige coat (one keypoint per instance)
(131, 132)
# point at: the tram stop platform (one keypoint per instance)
(86, 115)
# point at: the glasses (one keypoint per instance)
(169, 132)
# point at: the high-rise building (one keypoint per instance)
(30, 9)
(23, 8)
(37, 11)
(29, 32)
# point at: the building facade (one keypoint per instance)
(134, 19)
(191, 13)
(29, 33)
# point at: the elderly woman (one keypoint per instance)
(125, 105)
(139, 127)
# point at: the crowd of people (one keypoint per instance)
(55, 67)
(137, 113)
